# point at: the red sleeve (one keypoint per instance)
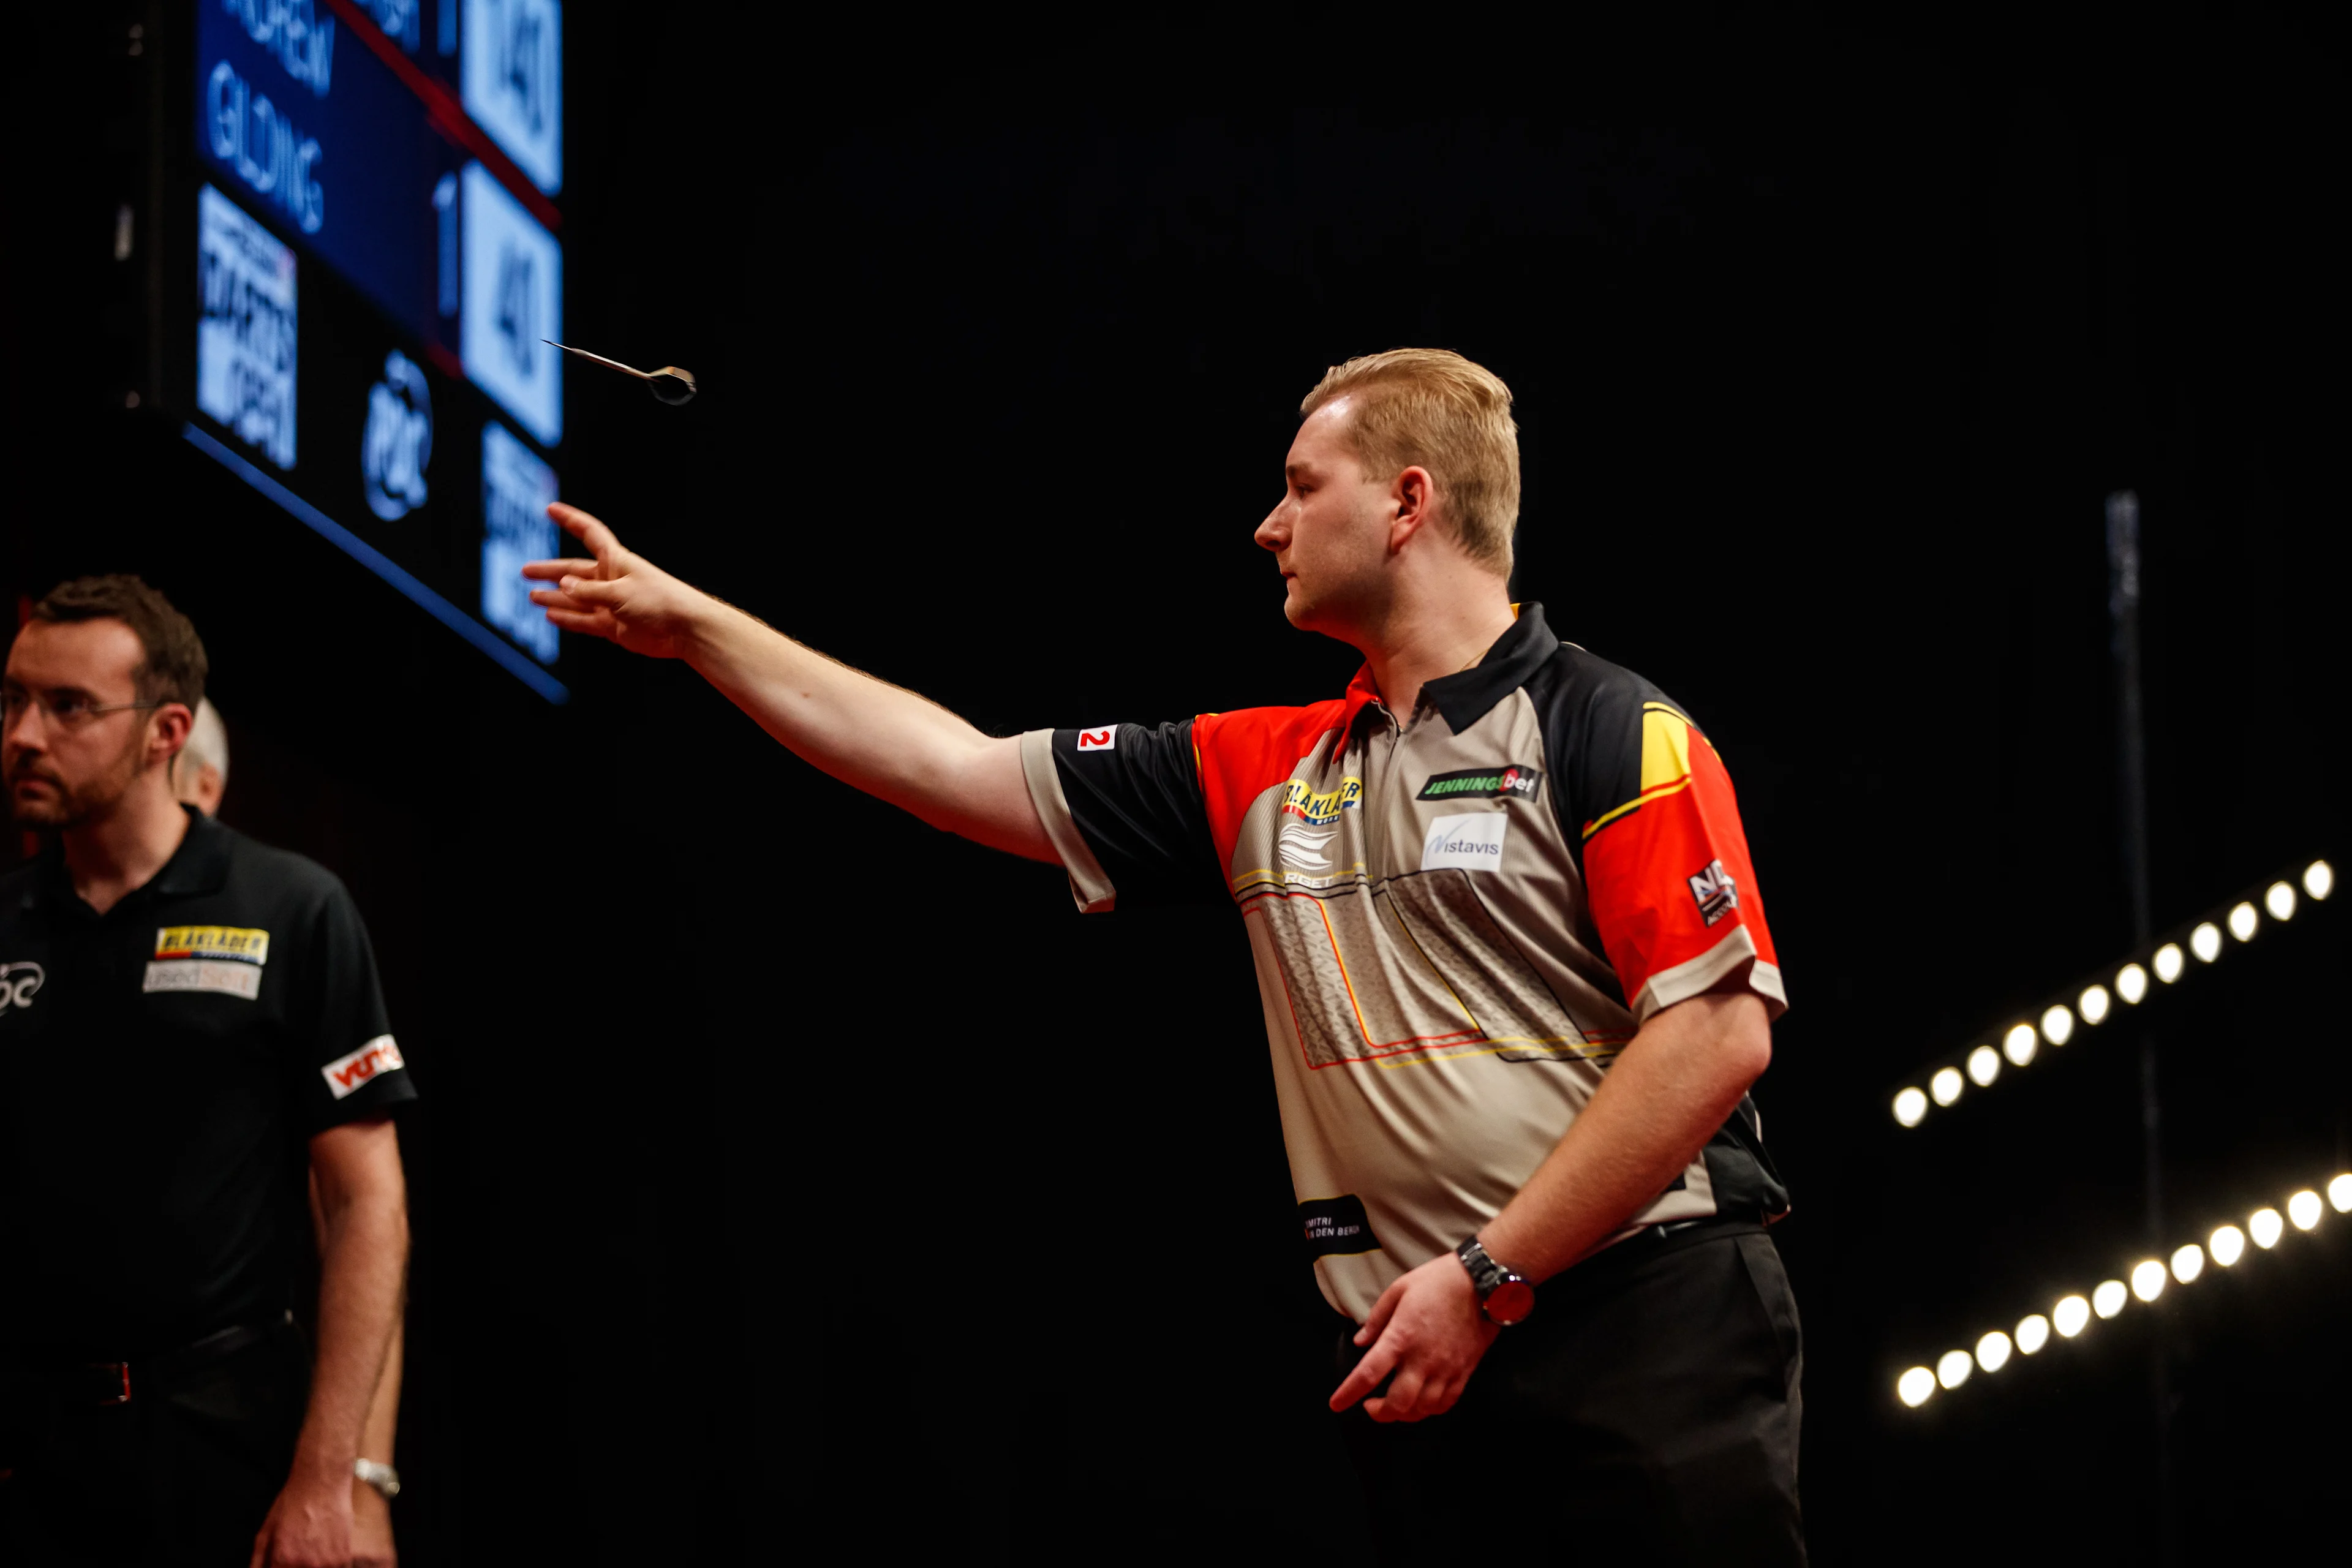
(1673, 895)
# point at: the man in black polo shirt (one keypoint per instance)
(190, 1024)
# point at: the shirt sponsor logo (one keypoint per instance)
(347, 1075)
(1513, 781)
(228, 977)
(1473, 843)
(1717, 894)
(1103, 740)
(1302, 799)
(238, 944)
(1306, 847)
(19, 982)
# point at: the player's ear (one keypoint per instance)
(167, 731)
(1412, 495)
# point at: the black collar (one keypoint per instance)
(1470, 695)
(200, 865)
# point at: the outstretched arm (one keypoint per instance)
(871, 735)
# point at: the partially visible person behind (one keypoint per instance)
(200, 778)
(188, 1020)
(200, 773)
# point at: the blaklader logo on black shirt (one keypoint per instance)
(1511, 780)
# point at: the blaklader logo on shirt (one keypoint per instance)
(1320, 807)
(348, 1074)
(242, 945)
(1473, 843)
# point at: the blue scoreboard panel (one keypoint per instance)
(360, 200)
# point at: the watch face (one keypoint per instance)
(1510, 1302)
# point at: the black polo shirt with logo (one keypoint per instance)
(162, 1066)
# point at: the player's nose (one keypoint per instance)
(1274, 533)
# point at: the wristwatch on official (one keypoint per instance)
(380, 1476)
(1505, 1297)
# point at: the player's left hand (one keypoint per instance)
(1426, 1329)
(309, 1526)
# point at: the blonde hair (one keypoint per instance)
(1432, 408)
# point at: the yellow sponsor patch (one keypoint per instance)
(239, 942)
(1301, 799)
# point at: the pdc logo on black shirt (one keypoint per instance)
(1512, 780)
(19, 982)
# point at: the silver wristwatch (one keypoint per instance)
(382, 1476)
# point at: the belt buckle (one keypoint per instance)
(122, 1371)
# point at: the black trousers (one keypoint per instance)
(182, 1475)
(1645, 1413)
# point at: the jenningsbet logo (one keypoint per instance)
(19, 983)
(1509, 782)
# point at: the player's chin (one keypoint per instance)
(39, 808)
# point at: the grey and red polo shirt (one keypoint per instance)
(1459, 918)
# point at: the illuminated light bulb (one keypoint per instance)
(2340, 1194)
(2205, 942)
(2109, 1297)
(2168, 963)
(2019, 1044)
(1952, 1368)
(2265, 1226)
(2243, 922)
(2319, 878)
(1910, 1108)
(2148, 1279)
(2131, 980)
(2093, 1002)
(1984, 1066)
(2057, 1026)
(2227, 1244)
(1914, 1386)
(2304, 1209)
(2278, 898)
(2188, 1262)
(2070, 1317)
(1992, 1351)
(2032, 1333)
(1946, 1085)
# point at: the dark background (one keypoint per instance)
(790, 1173)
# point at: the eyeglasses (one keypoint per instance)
(69, 711)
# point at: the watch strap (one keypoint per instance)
(380, 1476)
(1485, 1272)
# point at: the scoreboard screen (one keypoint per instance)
(357, 255)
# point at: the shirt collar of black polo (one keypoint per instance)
(200, 865)
(1470, 695)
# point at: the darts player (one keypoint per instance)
(1516, 973)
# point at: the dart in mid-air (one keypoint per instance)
(670, 384)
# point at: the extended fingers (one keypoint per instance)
(549, 571)
(581, 593)
(1377, 1364)
(601, 541)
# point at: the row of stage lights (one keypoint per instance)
(2072, 1314)
(2095, 1004)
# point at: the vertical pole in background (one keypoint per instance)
(2131, 781)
